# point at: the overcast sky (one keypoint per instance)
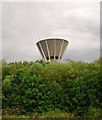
(23, 23)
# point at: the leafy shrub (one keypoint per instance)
(93, 114)
(59, 114)
(39, 87)
(12, 111)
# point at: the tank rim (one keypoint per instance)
(52, 39)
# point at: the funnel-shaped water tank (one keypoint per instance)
(52, 49)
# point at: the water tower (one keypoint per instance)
(52, 49)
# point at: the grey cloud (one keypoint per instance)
(24, 23)
(88, 1)
(0, 31)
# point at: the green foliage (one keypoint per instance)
(59, 114)
(7, 83)
(39, 87)
(13, 111)
(93, 114)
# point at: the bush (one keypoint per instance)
(59, 114)
(39, 87)
(93, 114)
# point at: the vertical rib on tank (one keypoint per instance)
(52, 49)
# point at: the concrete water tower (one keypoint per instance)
(52, 49)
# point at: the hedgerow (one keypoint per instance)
(39, 87)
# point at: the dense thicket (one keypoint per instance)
(37, 87)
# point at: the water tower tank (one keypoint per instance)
(52, 49)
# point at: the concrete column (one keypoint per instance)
(48, 50)
(42, 51)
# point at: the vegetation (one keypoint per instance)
(52, 90)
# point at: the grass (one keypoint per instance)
(0, 117)
(51, 114)
(93, 114)
(15, 116)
